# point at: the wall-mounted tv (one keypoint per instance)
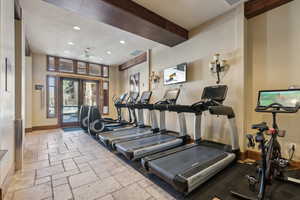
(175, 74)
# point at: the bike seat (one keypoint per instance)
(261, 127)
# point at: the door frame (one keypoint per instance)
(80, 98)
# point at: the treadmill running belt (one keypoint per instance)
(145, 142)
(180, 162)
(120, 133)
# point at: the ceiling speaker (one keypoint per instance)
(232, 2)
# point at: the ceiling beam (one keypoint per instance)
(257, 7)
(128, 16)
(18, 10)
(133, 62)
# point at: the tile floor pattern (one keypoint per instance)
(72, 166)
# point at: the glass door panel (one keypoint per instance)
(70, 101)
(90, 93)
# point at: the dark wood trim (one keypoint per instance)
(28, 130)
(75, 66)
(257, 7)
(48, 127)
(27, 48)
(254, 155)
(133, 62)
(47, 95)
(18, 10)
(128, 16)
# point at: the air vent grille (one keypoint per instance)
(136, 53)
(232, 2)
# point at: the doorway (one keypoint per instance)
(73, 94)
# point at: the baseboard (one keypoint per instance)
(28, 130)
(255, 155)
(41, 128)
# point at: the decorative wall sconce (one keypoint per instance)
(155, 78)
(218, 66)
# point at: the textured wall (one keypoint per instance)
(225, 35)
(273, 60)
(7, 104)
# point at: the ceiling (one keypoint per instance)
(187, 13)
(49, 29)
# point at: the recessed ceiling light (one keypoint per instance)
(77, 28)
(100, 58)
(71, 43)
(122, 42)
(108, 52)
(66, 52)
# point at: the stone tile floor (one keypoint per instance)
(72, 166)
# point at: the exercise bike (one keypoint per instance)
(272, 164)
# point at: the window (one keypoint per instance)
(66, 65)
(105, 108)
(51, 97)
(105, 71)
(51, 63)
(95, 70)
(81, 67)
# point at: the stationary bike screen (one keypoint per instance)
(286, 98)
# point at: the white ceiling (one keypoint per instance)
(49, 28)
(187, 13)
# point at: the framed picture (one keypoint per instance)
(134, 82)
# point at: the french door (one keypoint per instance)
(74, 93)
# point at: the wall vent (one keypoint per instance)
(232, 2)
(136, 53)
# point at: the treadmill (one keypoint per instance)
(98, 124)
(107, 137)
(141, 146)
(189, 166)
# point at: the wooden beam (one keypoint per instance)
(18, 10)
(27, 48)
(133, 62)
(129, 16)
(257, 7)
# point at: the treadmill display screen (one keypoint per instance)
(286, 98)
(146, 96)
(172, 94)
(217, 93)
(134, 95)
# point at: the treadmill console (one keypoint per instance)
(145, 98)
(215, 93)
(121, 98)
(170, 96)
(133, 97)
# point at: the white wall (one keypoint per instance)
(273, 60)
(225, 35)
(28, 92)
(7, 104)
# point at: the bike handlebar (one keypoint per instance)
(278, 108)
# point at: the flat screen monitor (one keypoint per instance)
(217, 93)
(175, 74)
(286, 98)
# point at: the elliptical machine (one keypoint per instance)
(272, 163)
